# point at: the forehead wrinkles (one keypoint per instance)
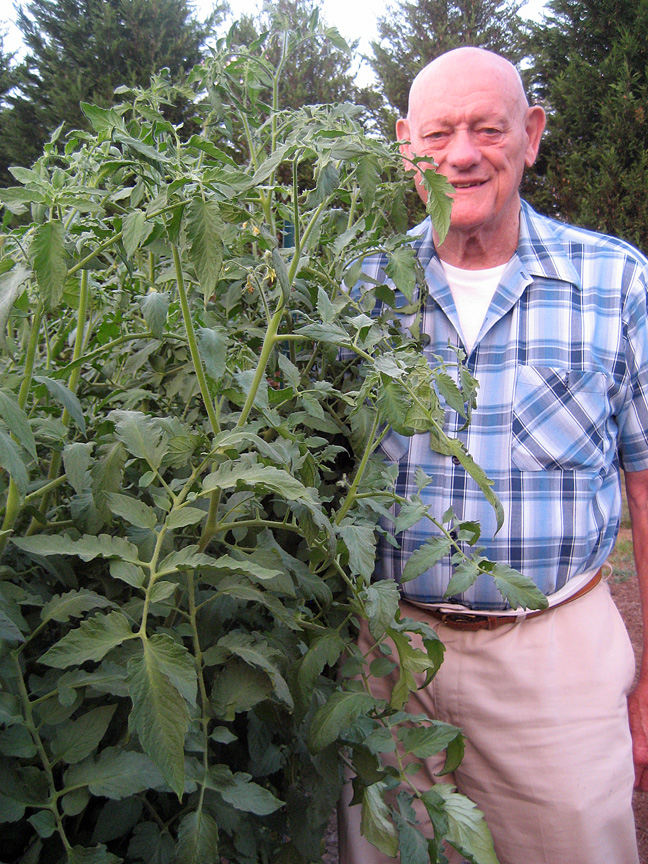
(482, 82)
(471, 111)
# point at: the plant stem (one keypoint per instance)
(12, 510)
(266, 350)
(372, 443)
(193, 345)
(33, 731)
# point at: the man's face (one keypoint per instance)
(477, 128)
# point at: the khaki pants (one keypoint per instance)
(548, 753)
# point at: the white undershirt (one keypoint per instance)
(472, 291)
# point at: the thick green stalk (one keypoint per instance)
(266, 350)
(193, 344)
(12, 509)
(73, 383)
(372, 443)
(28, 720)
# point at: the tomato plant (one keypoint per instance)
(191, 407)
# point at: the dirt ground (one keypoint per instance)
(623, 584)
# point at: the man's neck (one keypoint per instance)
(479, 248)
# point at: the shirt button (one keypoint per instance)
(456, 460)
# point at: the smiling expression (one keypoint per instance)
(469, 114)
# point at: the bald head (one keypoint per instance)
(469, 119)
(468, 68)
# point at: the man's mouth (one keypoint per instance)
(468, 185)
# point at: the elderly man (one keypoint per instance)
(553, 322)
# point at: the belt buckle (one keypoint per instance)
(464, 620)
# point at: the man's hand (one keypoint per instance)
(638, 713)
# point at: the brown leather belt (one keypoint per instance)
(475, 621)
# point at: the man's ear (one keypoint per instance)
(403, 134)
(534, 127)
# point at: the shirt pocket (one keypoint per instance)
(559, 419)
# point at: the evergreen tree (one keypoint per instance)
(81, 50)
(591, 71)
(6, 73)
(319, 69)
(416, 31)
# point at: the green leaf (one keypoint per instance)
(127, 572)
(102, 119)
(375, 822)
(131, 510)
(155, 308)
(239, 687)
(464, 575)
(75, 740)
(519, 590)
(66, 398)
(87, 548)
(95, 855)
(204, 230)
(230, 474)
(336, 715)
(17, 422)
(426, 556)
(332, 333)
(73, 604)
(11, 810)
(326, 309)
(450, 392)
(11, 461)
(382, 605)
(438, 205)
(76, 461)
(48, 253)
(325, 651)
(282, 274)
(393, 404)
(43, 823)
(402, 270)
(212, 347)
(136, 230)
(409, 514)
(197, 839)
(159, 716)
(245, 795)
(360, 541)
(92, 640)
(141, 436)
(177, 664)
(368, 172)
(467, 829)
(257, 652)
(11, 285)
(412, 845)
(116, 774)
(426, 741)
(184, 516)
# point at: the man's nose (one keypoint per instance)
(463, 151)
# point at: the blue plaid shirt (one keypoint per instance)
(562, 365)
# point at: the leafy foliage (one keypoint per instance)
(191, 486)
(82, 50)
(590, 69)
(414, 32)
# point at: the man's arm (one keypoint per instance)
(637, 491)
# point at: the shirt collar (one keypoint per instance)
(540, 250)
